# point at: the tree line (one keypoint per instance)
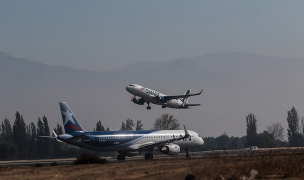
(21, 141)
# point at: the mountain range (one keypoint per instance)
(235, 84)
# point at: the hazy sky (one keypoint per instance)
(102, 35)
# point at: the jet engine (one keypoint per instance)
(171, 149)
(136, 100)
(160, 98)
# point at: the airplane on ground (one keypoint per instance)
(149, 95)
(127, 143)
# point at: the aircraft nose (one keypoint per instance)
(129, 88)
(202, 141)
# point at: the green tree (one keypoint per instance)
(265, 140)
(32, 139)
(44, 145)
(40, 141)
(251, 129)
(48, 145)
(58, 146)
(99, 126)
(127, 126)
(209, 144)
(294, 137)
(8, 151)
(58, 130)
(166, 122)
(6, 131)
(139, 126)
(20, 136)
(123, 126)
(223, 141)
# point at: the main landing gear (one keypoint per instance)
(163, 106)
(121, 157)
(148, 156)
(149, 107)
(187, 154)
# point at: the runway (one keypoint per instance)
(69, 161)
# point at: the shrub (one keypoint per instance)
(89, 158)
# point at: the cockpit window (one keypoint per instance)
(198, 135)
(131, 85)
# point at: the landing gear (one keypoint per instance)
(149, 107)
(121, 157)
(187, 154)
(163, 106)
(148, 156)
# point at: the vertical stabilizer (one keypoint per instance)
(70, 122)
(185, 100)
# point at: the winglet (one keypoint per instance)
(186, 132)
(201, 91)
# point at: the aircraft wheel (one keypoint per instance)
(148, 156)
(163, 106)
(187, 154)
(121, 158)
(149, 107)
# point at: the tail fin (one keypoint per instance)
(70, 122)
(185, 100)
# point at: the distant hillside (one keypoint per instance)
(235, 84)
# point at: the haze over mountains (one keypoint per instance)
(235, 84)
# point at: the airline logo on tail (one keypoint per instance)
(69, 120)
(68, 117)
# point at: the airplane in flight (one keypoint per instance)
(148, 95)
(127, 143)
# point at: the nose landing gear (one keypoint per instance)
(187, 154)
(149, 107)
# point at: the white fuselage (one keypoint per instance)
(133, 140)
(149, 95)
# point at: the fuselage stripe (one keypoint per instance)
(73, 127)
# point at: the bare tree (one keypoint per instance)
(166, 122)
(277, 130)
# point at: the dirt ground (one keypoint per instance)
(274, 164)
(167, 168)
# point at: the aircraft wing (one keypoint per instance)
(181, 96)
(162, 143)
(193, 104)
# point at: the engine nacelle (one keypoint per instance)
(171, 149)
(160, 98)
(136, 100)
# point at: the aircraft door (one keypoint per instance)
(91, 138)
(88, 139)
